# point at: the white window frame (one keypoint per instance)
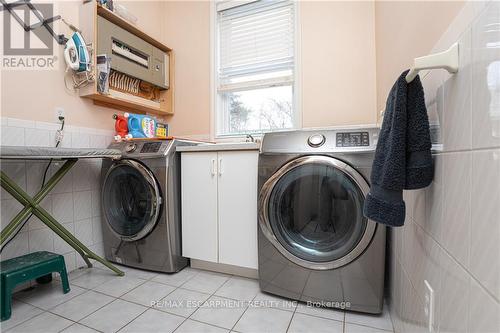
(216, 102)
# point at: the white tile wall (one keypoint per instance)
(75, 201)
(485, 239)
(454, 295)
(83, 231)
(36, 137)
(81, 176)
(455, 223)
(485, 87)
(62, 207)
(457, 129)
(82, 203)
(451, 237)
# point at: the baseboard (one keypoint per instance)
(224, 268)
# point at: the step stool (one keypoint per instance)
(37, 265)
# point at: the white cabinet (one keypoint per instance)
(199, 205)
(219, 207)
(237, 207)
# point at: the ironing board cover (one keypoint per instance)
(44, 153)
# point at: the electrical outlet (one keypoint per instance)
(429, 305)
(59, 113)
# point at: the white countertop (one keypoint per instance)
(221, 147)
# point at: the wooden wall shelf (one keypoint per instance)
(88, 25)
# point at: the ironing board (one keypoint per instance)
(32, 204)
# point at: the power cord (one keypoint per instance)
(59, 137)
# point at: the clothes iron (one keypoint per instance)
(76, 54)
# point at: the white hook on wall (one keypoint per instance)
(447, 60)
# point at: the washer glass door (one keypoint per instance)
(131, 200)
(313, 208)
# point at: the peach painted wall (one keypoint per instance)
(34, 94)
(405, 30)
(187, 32)
(337, 62)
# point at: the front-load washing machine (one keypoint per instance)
(140, 196)
(314, 243)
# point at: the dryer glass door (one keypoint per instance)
(131, 200)
(315, 212)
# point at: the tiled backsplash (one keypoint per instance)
(74, 202)
(451, 237)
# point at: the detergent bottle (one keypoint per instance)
(121, 125)
(141, 126)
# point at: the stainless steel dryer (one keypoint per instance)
(315, 245)
(141, 205)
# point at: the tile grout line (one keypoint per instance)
(43, 311)
(202, 303)
(368, 326)
(140, 314)
(228, 298)
(89, 313)
(455, 260)
(40, 314)
(211, 295)
(150, 306)
(73, 322)
(205, 323)
(246, 309)
(176, 288)
(318, 316)
(115, 298)
(291, 319)
(82, 325)
(87, 290)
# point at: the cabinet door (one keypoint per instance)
(238, 208)
(199, 205)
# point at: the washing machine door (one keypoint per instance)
(311, 210)
(131, 200)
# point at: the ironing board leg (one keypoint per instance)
(32, 205)
(23, 214)
(12, 226)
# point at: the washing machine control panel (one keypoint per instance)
(142, 148)
(352, 139)
(150, 147)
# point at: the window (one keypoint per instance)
(255, 67)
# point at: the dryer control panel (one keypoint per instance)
(353, 139)
(321, 141)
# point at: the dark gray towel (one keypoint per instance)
(403, 157)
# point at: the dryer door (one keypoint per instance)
(311, 210)
(131, 200)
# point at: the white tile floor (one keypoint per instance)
(189, 301)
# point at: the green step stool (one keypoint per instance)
(37, 265)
